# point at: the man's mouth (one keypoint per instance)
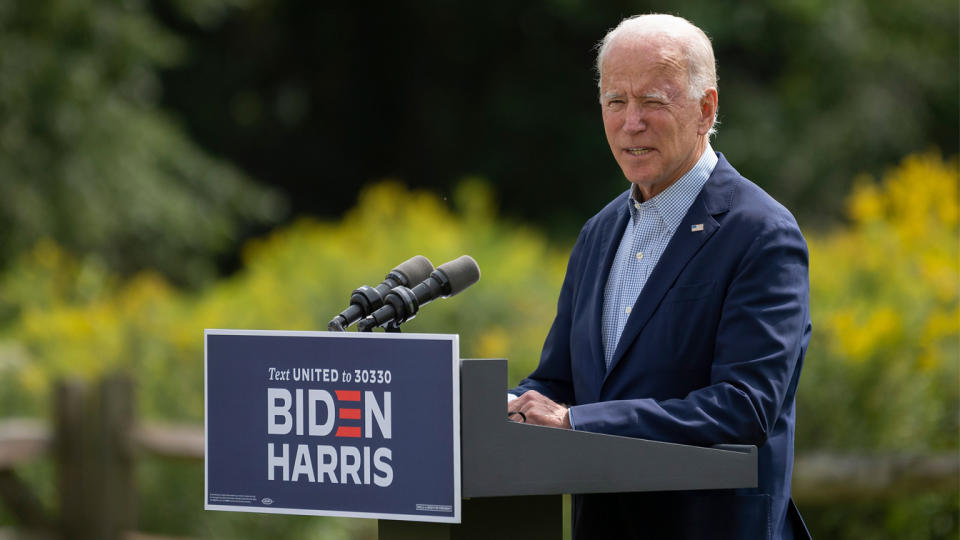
(639, 150)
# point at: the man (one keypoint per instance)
(684, 313)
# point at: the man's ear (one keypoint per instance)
(708, 110)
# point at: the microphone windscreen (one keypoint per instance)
(462, 272)
(415, 269)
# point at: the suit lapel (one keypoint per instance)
(606, 253)
(686, 242)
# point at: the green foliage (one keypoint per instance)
(814, 92)
(87, 156)
(886, 317)
(924, 516)
(880, 375)
(883, 368)
(74, 317)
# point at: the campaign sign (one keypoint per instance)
(333, 424)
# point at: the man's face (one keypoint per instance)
(656, 132)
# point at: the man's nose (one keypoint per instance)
(635, 120)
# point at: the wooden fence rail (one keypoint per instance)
(95, 441)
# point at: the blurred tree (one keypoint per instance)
(87, 156)
(324, 98)
(819, 92)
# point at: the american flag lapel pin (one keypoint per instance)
(696, 228)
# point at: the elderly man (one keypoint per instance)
(684, 313)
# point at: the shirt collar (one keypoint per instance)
(672, 203)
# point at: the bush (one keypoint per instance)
(885, 310)
(74, 318)
(882, 371)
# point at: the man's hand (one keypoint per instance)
(539, 409)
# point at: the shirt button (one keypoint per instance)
(639, 255)
(628, 310)
(636, 205)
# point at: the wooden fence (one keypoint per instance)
(95, 441)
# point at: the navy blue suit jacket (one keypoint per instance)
(711, 353)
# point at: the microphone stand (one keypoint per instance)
(392, 327)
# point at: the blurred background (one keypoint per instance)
(173, 165)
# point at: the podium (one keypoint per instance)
(514, 474)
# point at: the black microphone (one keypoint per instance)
(365, 300)
(401, 303)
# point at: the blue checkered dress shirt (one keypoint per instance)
(652, 224)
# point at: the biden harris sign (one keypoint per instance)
(333, 424)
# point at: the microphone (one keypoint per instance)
(364, 300)
(401, 303)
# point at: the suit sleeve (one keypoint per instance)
(761, 337)
(553, 376)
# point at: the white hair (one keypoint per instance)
(693, 42)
